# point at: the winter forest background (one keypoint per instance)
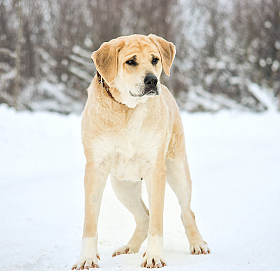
(228, 52)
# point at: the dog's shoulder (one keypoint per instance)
(170, 102)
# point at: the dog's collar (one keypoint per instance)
(104, 84)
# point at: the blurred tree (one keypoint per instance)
(256, 25)
(18, 6)
(105, 17)
(222, 48)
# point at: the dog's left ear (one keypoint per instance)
(106, 59)
(167, 51)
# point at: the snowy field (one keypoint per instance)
(235, 166)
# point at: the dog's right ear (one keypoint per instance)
(106, 59)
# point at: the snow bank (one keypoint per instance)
(234, 160)
(264, 96)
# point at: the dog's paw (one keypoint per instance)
(87, 263)
(199, 248)
(123, 250)
(153, 262)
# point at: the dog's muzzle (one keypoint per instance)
(150, 87)
(150, 82)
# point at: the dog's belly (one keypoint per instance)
(132, 158)
(129, 169)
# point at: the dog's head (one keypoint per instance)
(133, 65)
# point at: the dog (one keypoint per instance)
(132, 130)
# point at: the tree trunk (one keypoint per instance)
(18, 51)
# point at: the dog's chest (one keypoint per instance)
(129, 152)
(132, 155)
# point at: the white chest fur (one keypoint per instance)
(128, 153)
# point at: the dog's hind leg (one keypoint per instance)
(129, 194)
(178, 177)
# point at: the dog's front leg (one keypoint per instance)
(155, 183)
(94, 183)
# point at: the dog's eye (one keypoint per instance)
(155, 60)
(131, 62)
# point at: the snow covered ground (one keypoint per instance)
(235, 166)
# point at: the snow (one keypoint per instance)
(82, 52)
(264, 96)
(7, 76)
(234, 160)
(54, 100)
(81, 60)
(8, 52)
(197, 96)
(80, 73)
(275, 65)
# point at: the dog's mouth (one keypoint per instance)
(146, 92)
(149, 88)
(151, 91)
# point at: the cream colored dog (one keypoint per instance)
(132, 130)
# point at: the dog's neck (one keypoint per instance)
(105, 86)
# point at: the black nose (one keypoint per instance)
(150, 80)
